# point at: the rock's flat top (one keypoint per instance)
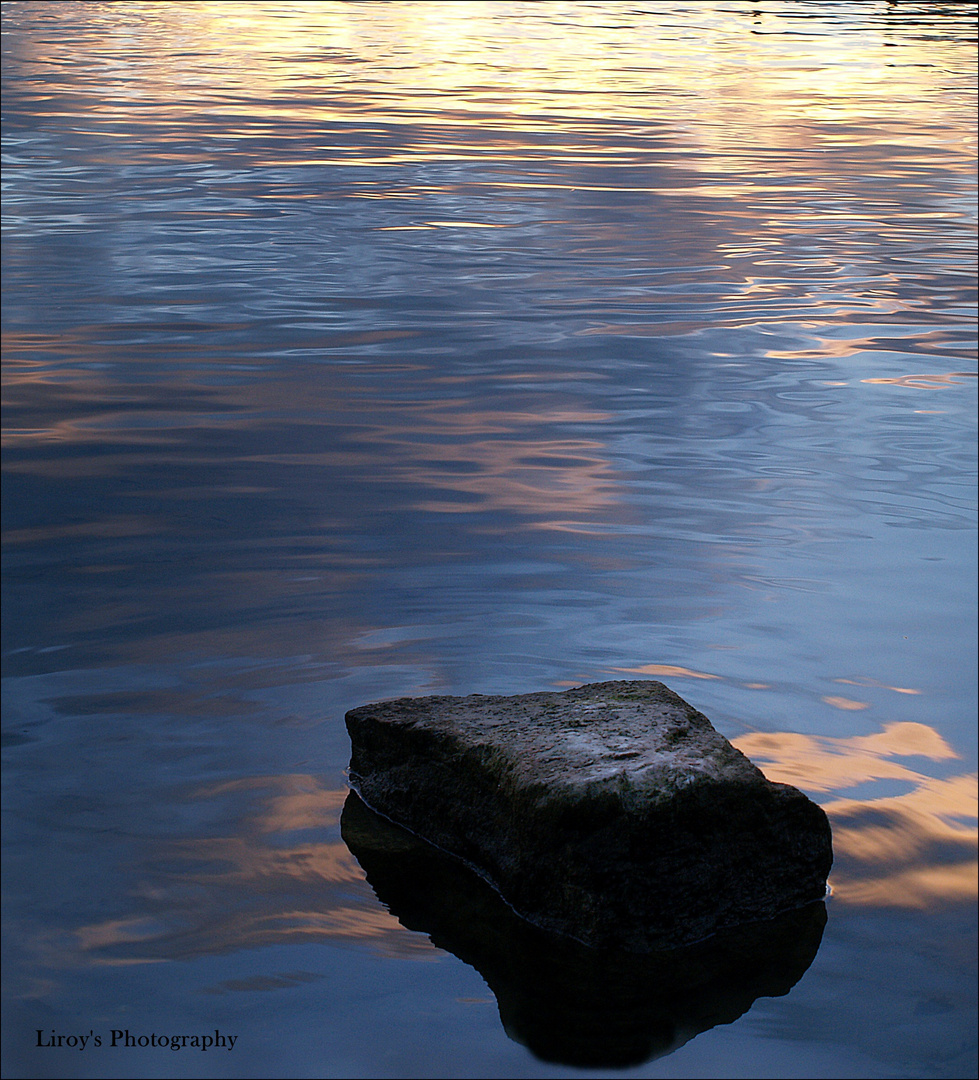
(613, 813)
(639, 729)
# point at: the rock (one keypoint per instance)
(612, 813)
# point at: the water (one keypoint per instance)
(363, 350)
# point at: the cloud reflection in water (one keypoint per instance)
(909, 850)
(263, 885)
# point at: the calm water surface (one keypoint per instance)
(357, 350)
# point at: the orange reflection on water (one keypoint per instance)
(748, 76)
(912, 850)
(535, 478)
(821, 763)
(668, 669)
(301, 803)
(846, 703)
(449, 455)
(496, 460)
(260, 886)
(925, 382)
(596, 60)
(115, 932)
(907, 850)
(264, 884)
(873, 682)
(109, 526)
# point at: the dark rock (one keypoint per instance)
(567, 1002)
(612, 813)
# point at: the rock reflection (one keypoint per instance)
(565, 1002)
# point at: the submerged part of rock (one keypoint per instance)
(612, 813)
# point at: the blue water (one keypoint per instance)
(359, 350)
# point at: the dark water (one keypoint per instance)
(355, 350)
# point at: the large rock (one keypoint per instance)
(612, 813)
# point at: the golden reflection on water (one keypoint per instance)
(264, 885)
(455, 455)
(491, 70)
(907, 850)
(672, 670)
(925, 382)
(258, 886)
(597, 60)
(865, 681)
(847, 704)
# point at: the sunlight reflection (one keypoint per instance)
(264, 884)
(924, 382)
(906, 850)
(560, 62)
(846, 703)
(260, 886)
(883, 686)
(497, 461)
(668, 669)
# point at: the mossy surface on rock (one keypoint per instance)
(613, 813)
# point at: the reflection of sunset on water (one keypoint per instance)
(924, 382)
(263, 885)
(256, 888)
(355, 351)
(443, 49)
(908, 850)
(669, 671)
